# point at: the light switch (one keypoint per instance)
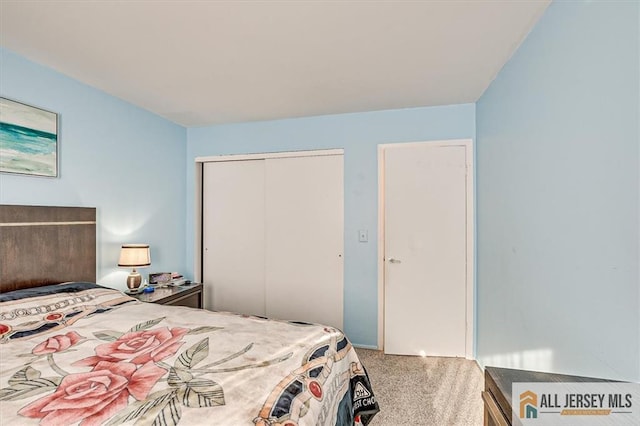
(363, 235)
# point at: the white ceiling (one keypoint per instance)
(209, 62)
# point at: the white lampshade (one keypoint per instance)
(134, 255)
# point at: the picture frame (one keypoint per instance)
(159, 278)
(28, 139)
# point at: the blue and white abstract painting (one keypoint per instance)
(28, 139)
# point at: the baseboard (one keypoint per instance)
(357, 345)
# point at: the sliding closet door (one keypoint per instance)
(233, 236)
(305, 239)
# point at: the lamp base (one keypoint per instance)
(134, 280)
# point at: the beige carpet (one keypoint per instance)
(426, 391)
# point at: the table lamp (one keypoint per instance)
(134, 256)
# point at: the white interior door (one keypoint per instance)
(233, 236)
(305, 239)
(425, 249)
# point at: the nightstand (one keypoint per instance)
(184, 295)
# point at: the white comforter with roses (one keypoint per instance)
(84, 354)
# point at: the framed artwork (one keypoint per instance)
(28, 139)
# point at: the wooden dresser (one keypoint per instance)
(497, 390)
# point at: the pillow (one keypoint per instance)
(69, 287)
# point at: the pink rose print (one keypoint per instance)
(94, 396)
(57, 343)
(139, 347)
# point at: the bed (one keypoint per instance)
(74, 352)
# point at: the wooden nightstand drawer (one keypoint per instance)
(192, 300)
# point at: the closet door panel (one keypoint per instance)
(305, 239)
(233, 236)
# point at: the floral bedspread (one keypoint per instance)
(83, 354)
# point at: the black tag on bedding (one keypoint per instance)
(364, 402)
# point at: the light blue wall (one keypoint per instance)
(121, 159)
(359, 134)
(558, 197)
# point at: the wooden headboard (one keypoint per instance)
(46, 245)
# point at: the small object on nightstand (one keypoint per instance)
(159, 278)
(148, 289)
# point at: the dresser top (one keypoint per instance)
(503, 378)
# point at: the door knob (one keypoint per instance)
(392, 260)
